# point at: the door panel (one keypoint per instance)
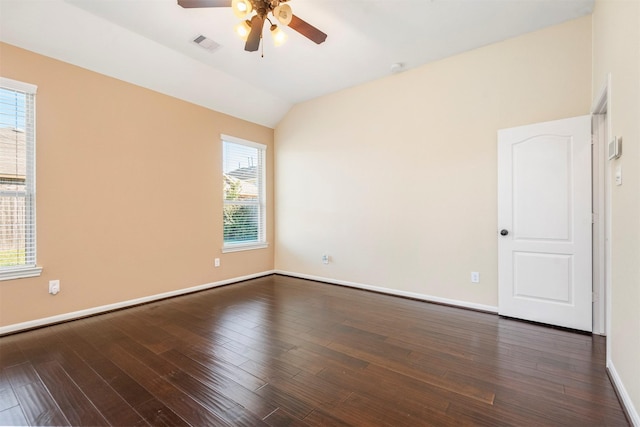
(544, 277)
(544, 203)
(541, 180)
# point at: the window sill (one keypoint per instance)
(20, 273)
(244, 247)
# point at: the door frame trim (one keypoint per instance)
(601, 134)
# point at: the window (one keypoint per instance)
(243, 170)
(17, 180)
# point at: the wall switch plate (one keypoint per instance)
(475, 277)
(54, 286)
(325, 259)
(619, 175)
(216, 262)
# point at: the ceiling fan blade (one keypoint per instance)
(204, 3)
(253, 40)
(307, 30)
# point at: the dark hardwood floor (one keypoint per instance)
(287, 352)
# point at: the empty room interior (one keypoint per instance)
(408, 213)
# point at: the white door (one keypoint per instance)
(544, 223)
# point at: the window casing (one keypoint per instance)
(244, 210)
(17, 180)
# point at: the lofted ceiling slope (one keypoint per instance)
(149, 43)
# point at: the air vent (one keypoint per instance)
(206, 43)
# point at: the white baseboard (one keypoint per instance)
(115, 306)
(394, 292)
(632, 412)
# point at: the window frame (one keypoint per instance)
(31, 269)
(261, 242)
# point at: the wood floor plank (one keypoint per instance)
(390, 385)
(156, 413)
(39, 408)
(236, 384)
(313, 390)
(215, 400)
(280, 417)
(267, 368)
(110, 404)
(22, 374)
(128, 390)
(120, 381)
(13, 416)
(477, 414)
(7, 399)
(74, 404)
(320, 418)
(253, 342)
(39, 338)
(482, 394)
(588, 393)
(144, 332)
(250, 400)
(360, 410)
(10, 352)
(284, 351)
(7, 396)
(551, 406)
(201, 335)
(174, 398)
(288, 402)
(222, 367)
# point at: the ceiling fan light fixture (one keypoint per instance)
(283, 14)
(241, 8)
(254, 14)
(243, 29)
(279, 36)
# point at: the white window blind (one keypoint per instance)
(17, 180)
(244, 194)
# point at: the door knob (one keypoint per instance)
(504, 232)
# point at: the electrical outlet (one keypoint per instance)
(54, 286)
(325, 259)
(216, 262)
(475, 277)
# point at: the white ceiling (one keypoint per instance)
(148, 43)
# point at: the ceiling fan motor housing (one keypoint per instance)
(264, 7)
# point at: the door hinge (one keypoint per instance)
(594, 218)
(594, 297)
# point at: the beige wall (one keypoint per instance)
(129, 200)
(397, 179)
(616, 50)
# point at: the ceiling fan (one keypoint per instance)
(250, 29)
